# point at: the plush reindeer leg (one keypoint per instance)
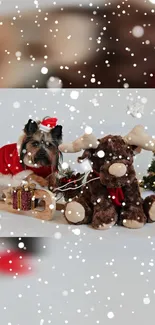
(80, 210)
(132, 213)
(105, 215)
(149, 208)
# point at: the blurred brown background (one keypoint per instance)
(107, 45)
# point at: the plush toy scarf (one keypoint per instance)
(116, 194)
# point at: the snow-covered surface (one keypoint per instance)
(85, 278)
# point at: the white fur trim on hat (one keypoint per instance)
(45, 128)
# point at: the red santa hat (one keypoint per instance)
(48, 124)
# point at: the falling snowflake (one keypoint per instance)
(146, 301)
(110, 315)
(135, 110)
(74, 94)
(16, 104)
(54, 83)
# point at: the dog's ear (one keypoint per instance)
(31, 127)
(57, 133)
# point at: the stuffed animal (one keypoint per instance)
(111, 194)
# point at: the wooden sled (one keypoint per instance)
(44, 211)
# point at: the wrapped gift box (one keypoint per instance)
(23, 197)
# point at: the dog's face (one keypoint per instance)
(113, 160)
(39, 148)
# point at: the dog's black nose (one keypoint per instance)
(42, 158)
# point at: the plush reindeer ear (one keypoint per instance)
(136, 150)
(57, 133)
(87, 154)
(31, 127)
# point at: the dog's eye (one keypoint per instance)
(35, 144)
(49, 145)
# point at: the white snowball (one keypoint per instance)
(146, 301)
(44, 70)
(54, 82)
(76, 231)
(100, 153)
(88, 130)
(57, 235)
(16, 104)
(51, 206)
(21, 245)
(138, 31)
(72, 109)
(18, 54)
(144, 100)
(64, 165)
(110, 315)
(74, 94)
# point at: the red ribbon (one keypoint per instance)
(12, 263)
(117, 195)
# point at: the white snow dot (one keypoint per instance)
(16, 104)
(88, 130)
(64, 165)
(44, 70)
(100, 153)
(18, 54)
(57, 235)
(138, 115)
(41, 321)
(65, 293)
(21, 245)
(110, 315)
(72, 109)
(146, 301)
(74, 94)
(76, 231)
(51, 206)
(144, 100)
(54, 82)
(138, 31)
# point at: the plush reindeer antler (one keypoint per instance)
(85, 142)
(138, 137)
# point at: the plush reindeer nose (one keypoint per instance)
(117, 169)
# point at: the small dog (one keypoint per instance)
(35, 157)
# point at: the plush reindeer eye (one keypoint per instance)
(35, 144)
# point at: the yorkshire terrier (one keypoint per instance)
(35, 158)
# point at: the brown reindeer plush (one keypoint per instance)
(112, 193)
